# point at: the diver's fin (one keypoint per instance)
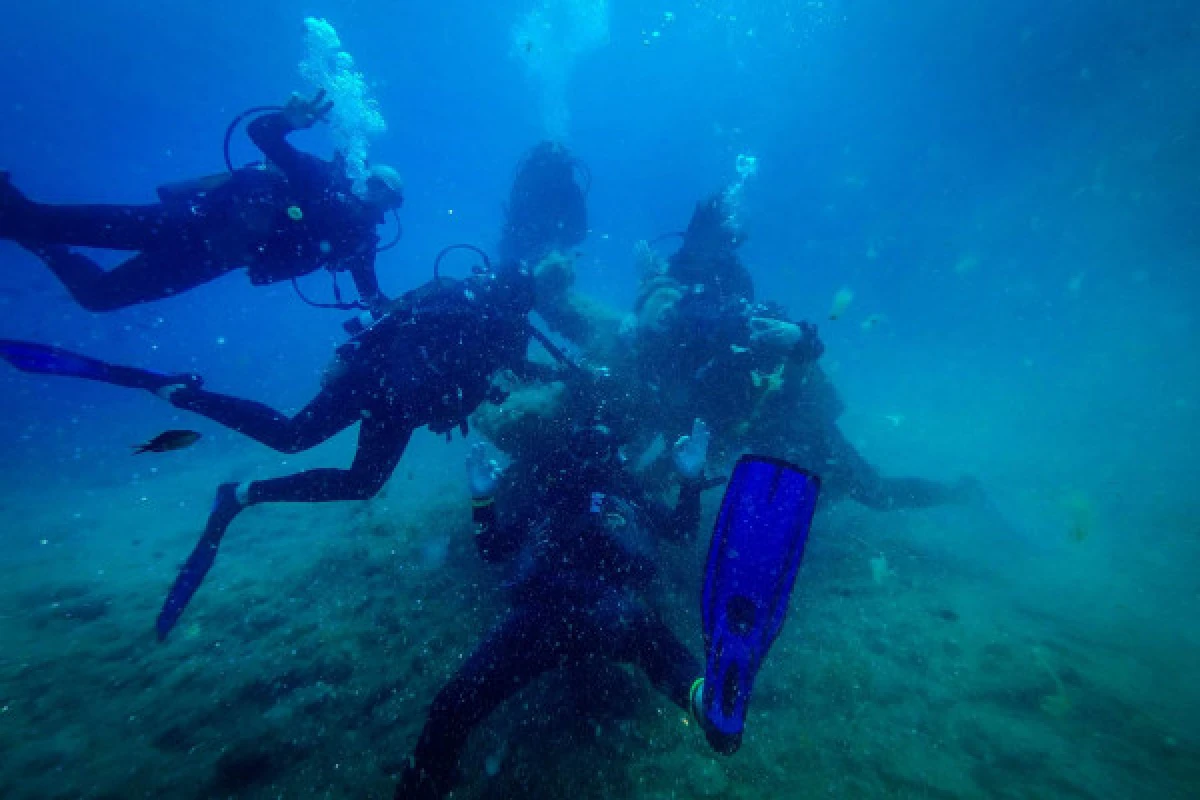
(757, 545)
(225, 508)
(42, 359)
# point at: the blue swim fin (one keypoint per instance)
(42, 359)
(757, 545)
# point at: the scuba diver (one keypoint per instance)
(703, 346)
(545, 219)
(428, 361)
(581, 536)
(281, 219)
(707, 256)
(547, 206)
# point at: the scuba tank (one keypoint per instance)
(193, 190)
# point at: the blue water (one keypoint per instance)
(1010, 188)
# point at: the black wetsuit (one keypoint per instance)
(703, 363)
(280, 221)
(429, 362)
(707, 258)
(583, 556)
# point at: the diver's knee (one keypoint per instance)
(292, 446)
(367, 487)
(100, 302)
(295, 439)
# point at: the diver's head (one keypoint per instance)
(547, 153)
(591, 454)
(385, 188)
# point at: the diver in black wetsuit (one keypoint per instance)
(280, 220)
(428, 361)
(547, 206)
(708, 257)
(581, 536)
(704, 346)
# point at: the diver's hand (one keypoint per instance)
(801, 340)
(301, 113)
(482, 472)
(774, 333)
(691, 452)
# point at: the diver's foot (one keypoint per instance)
(718, 741)
(12, 202)
(696, 703)
(10, 195)
(173, 384)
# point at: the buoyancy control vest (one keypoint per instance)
(435, 350)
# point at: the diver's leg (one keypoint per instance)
(513, 654)
(144, 278)
(645, 640)
(375, 448)
(847, 471)
(110, 227)
(330, 412)
(381, 443)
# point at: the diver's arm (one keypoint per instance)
(798, 342)
(538, 371)
(495, 541)
(269, 133)
(689, 454)
(684, 520)
(680, 522)
(362, 270)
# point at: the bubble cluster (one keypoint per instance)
(355, 119)
(550, 39)
(746, 167)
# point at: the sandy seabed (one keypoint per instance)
(306, 664)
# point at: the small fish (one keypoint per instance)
(841, 301)
(873, 321)
(168, 440)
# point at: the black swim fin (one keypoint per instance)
(42, 359)
(191, 575)
(757, 545)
